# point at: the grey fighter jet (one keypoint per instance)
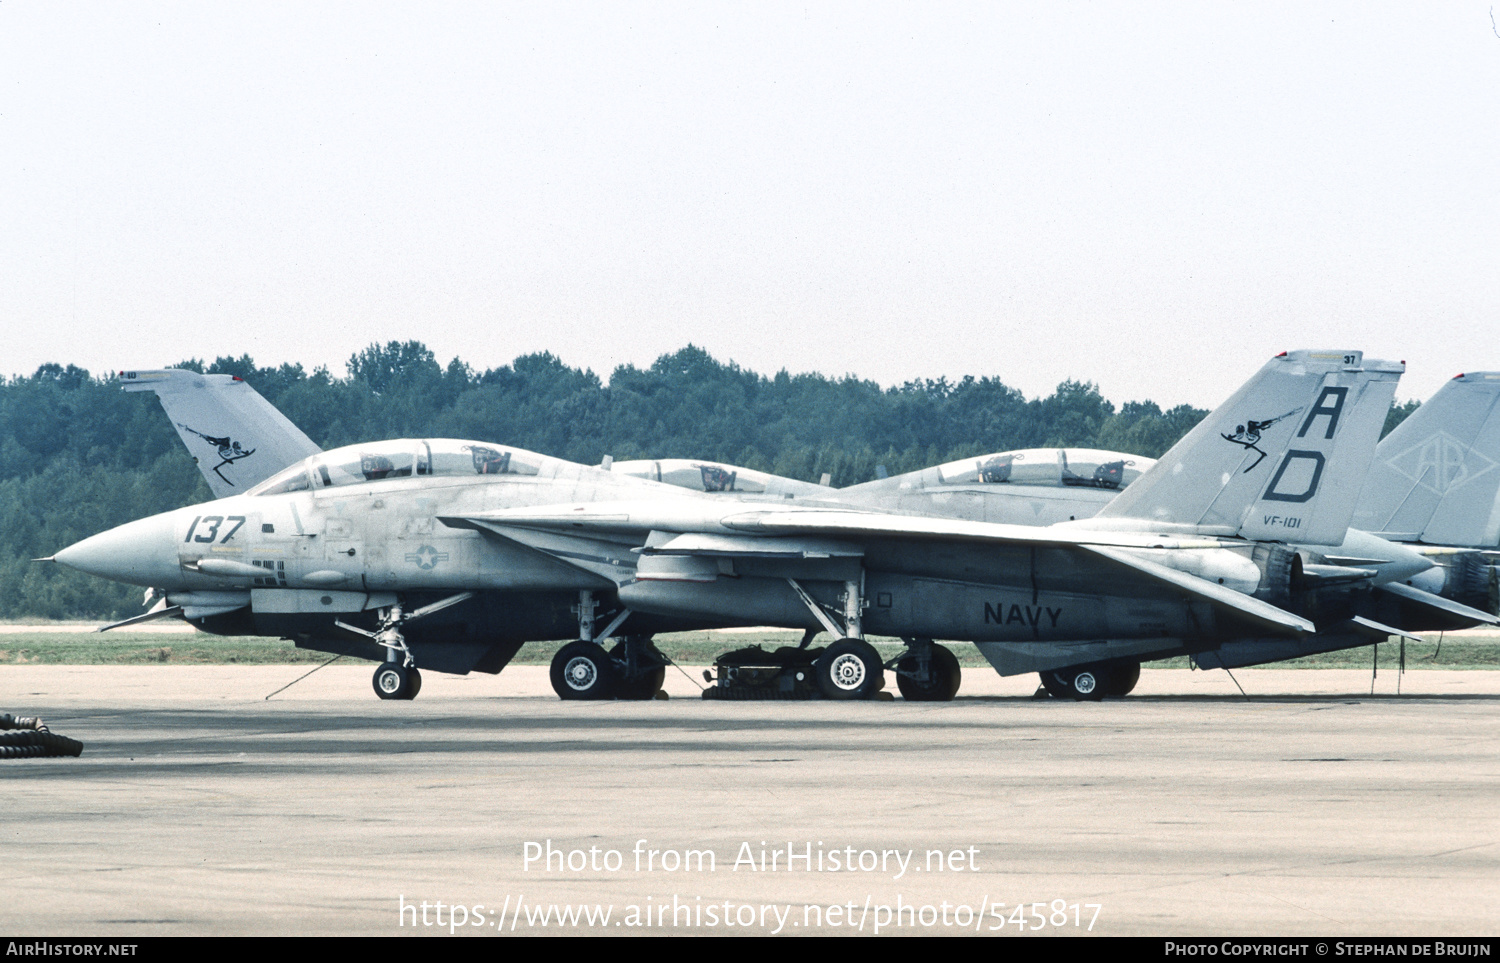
(1192, 558)
(1435, 480)
(718, 478)
(1380, 579)
(1392, 589)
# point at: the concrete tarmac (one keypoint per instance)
(199, 807)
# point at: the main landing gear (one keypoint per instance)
(1089, 683)
(633, 669)
(927, 672)
(848, 669)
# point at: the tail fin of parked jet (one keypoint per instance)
(1436, 478)
(236, 437)
(1282, 460)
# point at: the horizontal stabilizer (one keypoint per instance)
(1415, 596)
(1237, 603)
(1375, 630)
(1243, 652)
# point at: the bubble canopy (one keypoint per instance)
(1066, 467)
(403, 458)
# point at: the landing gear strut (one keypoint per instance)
(849, 668)
(640, 668)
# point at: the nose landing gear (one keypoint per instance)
(397, 677)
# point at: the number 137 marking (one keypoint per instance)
(212, 531)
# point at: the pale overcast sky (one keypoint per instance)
(1152, 196)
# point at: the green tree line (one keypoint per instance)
(78, 456)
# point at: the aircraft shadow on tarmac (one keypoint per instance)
(140, 744)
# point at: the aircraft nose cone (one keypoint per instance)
(142, 552)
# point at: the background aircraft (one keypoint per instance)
(1435, 484)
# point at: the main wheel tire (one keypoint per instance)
(642, 687)
(393, 681)
(943, 685)
(1082, 683)
(850, 669)
(1121, 678)
(583, 670)
(1087, 682)
(648, 681)
(415, 685)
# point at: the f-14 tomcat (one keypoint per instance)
(1433, 486)
(451, 554)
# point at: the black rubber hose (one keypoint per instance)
(27, 737)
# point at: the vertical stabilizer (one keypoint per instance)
(236, 437)
(1282, 460)
(1436, 478)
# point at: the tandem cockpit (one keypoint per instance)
(402, 458)
(1068, 467)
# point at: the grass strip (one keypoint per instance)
(686, 648)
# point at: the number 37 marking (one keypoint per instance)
(212, 531)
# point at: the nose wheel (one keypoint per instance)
(398, 678)
(396, 681)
